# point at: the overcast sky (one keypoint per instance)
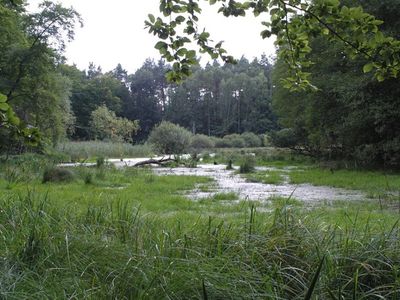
(114, 33)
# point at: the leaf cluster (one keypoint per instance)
(293, 22)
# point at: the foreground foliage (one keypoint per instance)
(128, 234)
(113, 250)
(293, 22)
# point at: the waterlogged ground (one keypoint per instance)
(228, 181)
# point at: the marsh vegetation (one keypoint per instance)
(110, 232)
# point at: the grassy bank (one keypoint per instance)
(114, 250)
(128, 234)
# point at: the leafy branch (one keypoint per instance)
(293, 22)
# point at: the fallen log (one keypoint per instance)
(152, 161)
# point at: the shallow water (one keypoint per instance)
(120, 163)
(228, 181)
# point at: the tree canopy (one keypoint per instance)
(293, 22)
(352, 116)
(33, 94)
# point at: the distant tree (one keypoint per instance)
(219, 100)
(200, 142)
(90, 92)
(105, 125)
(148, 96)
(120, 73)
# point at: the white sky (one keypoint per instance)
(114, 33)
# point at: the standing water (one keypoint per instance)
(227, 181)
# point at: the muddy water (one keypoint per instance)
(228, 181)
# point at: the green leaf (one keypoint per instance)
(265, 34)
(180, 19)
(368, 67)
(3, 98)
(314, 280)
(4, 106)
(191, 54)
(161, 45)
(181, 52)
(380, 77)
(152, 18)
(204, 36)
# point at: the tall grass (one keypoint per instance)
(116, 251)
(24, 168)
(83, 150)
(128, 234)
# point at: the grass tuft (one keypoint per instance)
(58, 175)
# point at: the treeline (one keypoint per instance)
(56, 101)
(352, 116)
(217, 100)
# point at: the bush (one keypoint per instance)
(251, 139)
(247, 164)
(235, 140)
(58, 175)
(168, 138)
(222, 143)
(100, 162)
(266, 140)
(201, 142)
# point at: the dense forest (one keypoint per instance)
(217, 100)
(352, 115)
(43, 100)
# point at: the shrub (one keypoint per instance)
(201, 142)
(168, 138)
(56, 174)
(100, 162)
(235, 140)
(251, 139)
(266, 140)
(88, 179)
(222, 143)
(247, 165)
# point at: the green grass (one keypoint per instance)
(129, 234)
(268, 177)
(79, 151)
(225, 196)
(267, 156)
(375, 183)
(109, 249)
